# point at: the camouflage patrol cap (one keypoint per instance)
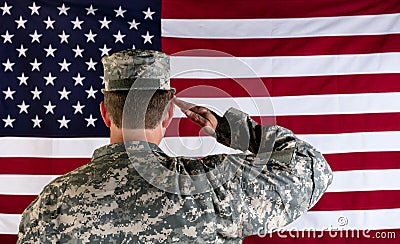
(136, 69)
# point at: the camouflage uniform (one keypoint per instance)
(108, 201)
(136, 69)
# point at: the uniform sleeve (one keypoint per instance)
(39, 220)
(291, 175)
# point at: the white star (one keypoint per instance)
(22, 79)
(148, 14)
(63, 122)
(34, 9)
(104, 23)
(8, 121)
(49, 23)
(9, 94)
(91, 92)
(64, 37)
(21, 22)
(23, 107)
(49, 108)
(78, 79)
(36, 122)
(50, 51)
(104, 50)
(90, 121)
(63, 10)
(6, 9)
(90, 36)
(119, 37)
(133, 24)
(7, 37)
(35, 65)
(50, 79)
(78, 51)
(21, 51)
(77, 23)
(36, 93)
(64, 94)
(8, 65)
(119, 12)
(147, 38)
(102, 78)
(64, 65)
(35, 37)
(78, 108)
(91, 64)
(91, 10)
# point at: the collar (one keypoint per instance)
(121, 147)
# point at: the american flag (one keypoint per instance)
(331, 68)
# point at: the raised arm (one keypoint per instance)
(292, 174)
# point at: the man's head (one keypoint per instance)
(137, 90)
(144, 109)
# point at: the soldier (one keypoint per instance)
(132, 192)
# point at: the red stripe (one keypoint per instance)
(8, 239)
(287, 86)
(358, 200)
(343, 123)
(338, 162)
(40, 166)
(326, 237)
(363, 160)
(14, 204)
(332, 236)
(309, 124)
(210, 9)
(288, 46)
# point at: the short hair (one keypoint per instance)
(140, 110)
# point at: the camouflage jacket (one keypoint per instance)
(108, 201)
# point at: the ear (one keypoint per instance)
(168, 115)
(104, 114)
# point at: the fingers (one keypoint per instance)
(182, 104)
(198, 114)
(197, 118)
(208, 130)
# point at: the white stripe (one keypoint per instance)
(315, 220)
(9, 223)
(50, 147)
(344, 181)
(200, 146)
(24, 184)
(326, 143)
(365, 180)
(359, 103)
(282, 66)
(281, 28)
(355, 142)
(356, 219)
(336, 104)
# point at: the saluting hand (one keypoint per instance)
(201, 116)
